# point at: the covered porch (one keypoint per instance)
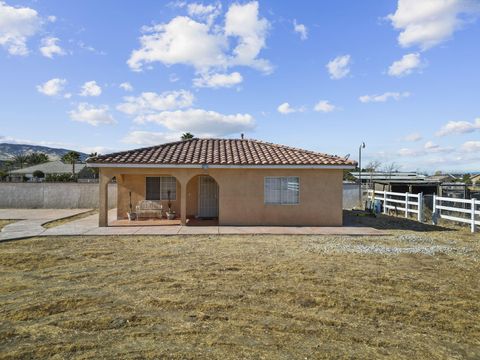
(190, 197)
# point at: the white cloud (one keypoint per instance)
(203, 45)
(324, 106)
(92, 115)
(150, 103)
(204, 12)
(413, 137)
(17, 24)
(405, 66)
(339, 67)
(300, 29)
(427, 23)
(49, 47)
(383, 97)
(52, 87)
(52, 18)
(471, 146)
(408, 152)
(202, 122)
(91, 88)
(218, 80)
(429, 145)
(149, 138)
(285, 108)
(459, 127)
(126, 86)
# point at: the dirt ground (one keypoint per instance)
(411, 294)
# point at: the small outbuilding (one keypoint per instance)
(235, 181)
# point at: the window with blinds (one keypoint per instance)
(157, 188)
(282, 190)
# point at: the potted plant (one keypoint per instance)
(131, 215)
(170, 212)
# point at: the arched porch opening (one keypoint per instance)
(202, 200)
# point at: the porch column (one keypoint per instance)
(183, 202)
(103, 195)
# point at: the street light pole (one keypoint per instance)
(362, 146)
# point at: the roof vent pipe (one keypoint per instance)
(241, 135)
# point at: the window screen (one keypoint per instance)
(282, 190)
(157, 188)
(153, 188)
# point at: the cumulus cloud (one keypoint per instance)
(300, 29)
(126, 86)
(324, 106)
(383, 97)
(413, 137)
(49, 47)
(405, 66)
(339, 67)
(207, 13)
(204, 45)
(149, 138)
(93, 115)
(52, 87)
(471, 147)
(218, 80)
(91, 88)
(459, 127)
(202, 122)
(285, 108)
(427, 23)
(150, 103)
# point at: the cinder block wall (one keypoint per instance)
(53, 195)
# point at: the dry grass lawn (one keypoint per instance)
(404, 296)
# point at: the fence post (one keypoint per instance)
(473, 214)
(420, 207)
(384, 202)
(434, 210)
(406, 204)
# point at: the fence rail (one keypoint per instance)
(469, 207)
(446, 208)
(409, 203)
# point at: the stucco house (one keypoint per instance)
(237, 181)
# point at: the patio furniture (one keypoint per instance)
(149, 209)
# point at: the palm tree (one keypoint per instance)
(20, 160)
(187, 136)
(72, 157)
(37, 158)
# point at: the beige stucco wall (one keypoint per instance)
(241, 194)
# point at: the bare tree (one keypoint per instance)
(391, 168)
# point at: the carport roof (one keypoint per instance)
(222, 153)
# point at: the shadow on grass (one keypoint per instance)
(386, 222)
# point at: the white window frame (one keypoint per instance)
(283, 194)
(164, 183)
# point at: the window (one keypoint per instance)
(282, 190)
(157, 188)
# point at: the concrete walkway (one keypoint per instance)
(31, 226)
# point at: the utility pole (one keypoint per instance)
(362, 146)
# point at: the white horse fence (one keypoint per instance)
(452, 209)
(460, 210)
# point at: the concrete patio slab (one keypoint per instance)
(88, 226)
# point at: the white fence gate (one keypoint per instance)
(405, 202)
(468, 207)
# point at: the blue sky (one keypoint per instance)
(401, 75)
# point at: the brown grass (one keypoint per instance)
(68, 219)
(233, 297)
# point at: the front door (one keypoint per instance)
(207, 197)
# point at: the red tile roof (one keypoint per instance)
(220, 152)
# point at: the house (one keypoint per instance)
(475, 179)
(237, 181)
(56, 167)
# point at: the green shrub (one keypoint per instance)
(59, 178)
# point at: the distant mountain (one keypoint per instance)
(8, 151)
